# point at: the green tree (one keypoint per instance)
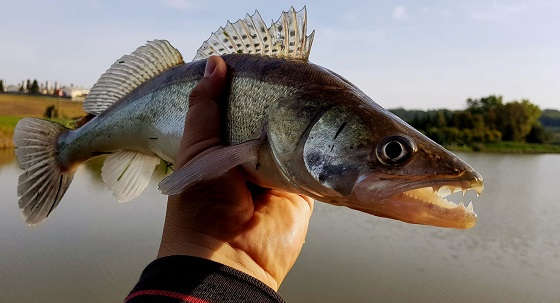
(1, 86)
(489, 107)
(484, 104)
(440, 120)
(478, 122)
(34, 89)
(537, 134)
(463, 120)
(517, 119)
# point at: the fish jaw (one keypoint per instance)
(419, 202)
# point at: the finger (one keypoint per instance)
(202, 124)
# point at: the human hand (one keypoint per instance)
(257, 231)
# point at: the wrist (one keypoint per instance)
(203, 246)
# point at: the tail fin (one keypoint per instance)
(43, 183)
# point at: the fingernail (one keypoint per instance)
(210, 67)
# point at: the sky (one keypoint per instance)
(412, 54)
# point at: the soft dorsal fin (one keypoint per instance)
(129, 72)
(285, 38)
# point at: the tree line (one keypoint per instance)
(31, 87)
(28, 87)
(485, 120)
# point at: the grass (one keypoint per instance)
(7, 125)
(8, 121)
(15, 107)
(508, 147)
(34, 106)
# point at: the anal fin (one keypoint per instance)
(127, 173)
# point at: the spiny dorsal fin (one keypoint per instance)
(285, 38)
(129, 72)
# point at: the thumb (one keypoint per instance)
(202, 124)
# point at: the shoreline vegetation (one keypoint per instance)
(462, 131)
(507, 148)
(491, 125)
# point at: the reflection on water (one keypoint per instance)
(93, 248)
(7, 156)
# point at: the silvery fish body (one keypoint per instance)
(302, 128)
(151, 119)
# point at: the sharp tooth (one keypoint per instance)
(478, 188)
(464, 192)
(470, 207)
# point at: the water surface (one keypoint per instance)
(93, 249)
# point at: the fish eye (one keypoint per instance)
(395, 150)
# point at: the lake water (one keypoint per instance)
(92, 249)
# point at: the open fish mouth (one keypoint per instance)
(430, 205)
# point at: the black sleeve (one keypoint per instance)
(189, 279)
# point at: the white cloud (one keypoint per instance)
(179, 4)
(399, 12)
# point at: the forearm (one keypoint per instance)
(197, 280)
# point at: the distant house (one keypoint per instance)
(75, 93)
(12, 89)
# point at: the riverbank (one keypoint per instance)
(15, 107)
(508, 147)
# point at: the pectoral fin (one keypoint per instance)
(128, 173)
(209, 166)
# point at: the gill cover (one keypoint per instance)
(314, 144)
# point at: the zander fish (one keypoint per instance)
(290, 124)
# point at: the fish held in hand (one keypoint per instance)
(288, 123)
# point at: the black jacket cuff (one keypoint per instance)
(196, 280)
